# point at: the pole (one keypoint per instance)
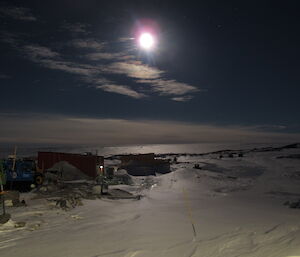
(2, 196)
(15, 157)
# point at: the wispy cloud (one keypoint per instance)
(146, 75)
(170, 87)
(9, 38)
(123, 90)
(269, 127)
(125, 39)
(182, 98)
(108, 56)
(46, 57)
(18, 13)
(106, 63)
(75, 27)
(36, 51)
(133, 70)
(88, 43)
(70, 67)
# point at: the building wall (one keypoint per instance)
(85, 163)
(143, 158)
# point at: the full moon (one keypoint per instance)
(146, 40)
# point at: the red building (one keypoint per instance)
(87, 163)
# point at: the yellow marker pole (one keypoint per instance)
(189, 210)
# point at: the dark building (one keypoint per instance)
(144, 164)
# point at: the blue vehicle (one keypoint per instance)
(21, 174)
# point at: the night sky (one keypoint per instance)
(73, 71)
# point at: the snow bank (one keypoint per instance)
(246, 218)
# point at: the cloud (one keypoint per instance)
(76, 130)
(133, 70)
(88, 44)
(123, 90)
(269, 127)
(45, 57)
(125, 39)
(182, 98)
(115, 63)
(100, 56)
(97, 80)
(75, 27)
(108, 56)
(109, 86)
(151, 76)
(36, 51)
(9, 38)
(48, 58)
(170, 87)
(18, 13)
(70, 67)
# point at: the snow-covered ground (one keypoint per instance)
(235, 205)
